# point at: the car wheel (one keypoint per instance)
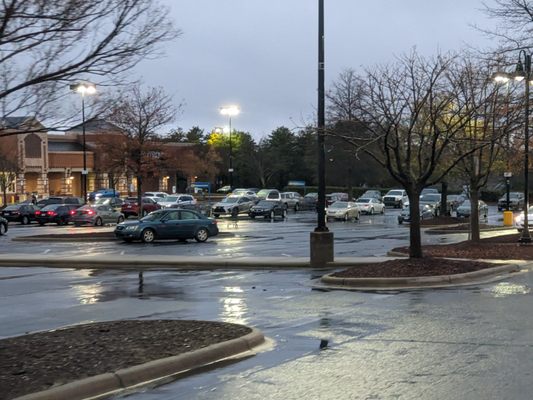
(235, 212)
(383, 210)
(25, 220)
(252, 216)
(371, 211)
(400, 204)
(284, 214)
(272, 215)
(120, 219)
(2, 229)
(201, 235)
(345, 217)
(148, 236)
(98, 221)
(216, 215)
(357, 216)
(296, 207)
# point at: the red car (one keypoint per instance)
(131, 207)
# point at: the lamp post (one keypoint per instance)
(83, 88)
(230, 111)
(523, 73)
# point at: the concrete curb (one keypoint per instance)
(145, 262)
(440, 231)
(150, 372)
(420, 281)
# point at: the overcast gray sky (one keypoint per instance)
(262, 54)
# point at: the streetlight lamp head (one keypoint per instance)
(501, 77)
(84, 88)
(230, 110)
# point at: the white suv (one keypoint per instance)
(395, 198)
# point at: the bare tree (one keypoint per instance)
(139, 114)
(8, 166)
(414, 110)
(45, 45)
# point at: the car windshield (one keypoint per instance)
(263, 193)
(339, 204)
(10, 208)
(311, 195)
(230, 200)
(465, 204)
(514, 195)
(264, 203)
(51, 207)
(395, 193)
(362, 200)
(168, 199)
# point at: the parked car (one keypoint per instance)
(245, 192)
(433, 200)
(519, 219)
(269, 194)
(232, 205)
(177, 201)
(310, 200)
(169, 223)
(426, 212)
(395, 198)
(131, 207)
(429, 191)
(268, 209)
(374, 194)
(103, 193)
(60, 200)
(224, 189)
(337, 196)
(96, 215)
(55, 213)
(455, 200)
(370, 205)
(160, 195)
(464, 209)
(4, 226)
(114, 202)
(23, 213)
(516, 201)
(292, 200)
(345, 210)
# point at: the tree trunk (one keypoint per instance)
(415, 245)
(139, 196)
(474, 215)
(5, 195)
(444, 199)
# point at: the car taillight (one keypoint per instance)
(72, 212)
(37, 213)
(51, 213)
(90, 212)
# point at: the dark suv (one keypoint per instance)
(60, 200)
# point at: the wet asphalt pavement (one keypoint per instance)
(467, 343)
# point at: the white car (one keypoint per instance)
(176, 201)
(519, 219)
(345, 210)
(154, 195)
(370, 205)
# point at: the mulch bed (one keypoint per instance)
(39, 361)
(502, 247)
(412, 267)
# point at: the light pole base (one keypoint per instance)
(321, 248)
(525, 238)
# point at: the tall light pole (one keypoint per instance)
(523, 73)
(230, 111)
(84, 88)
(321, 239)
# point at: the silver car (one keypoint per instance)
(292, 200)
(232, 205)
(345, 210)
(465, 208)
(96, 215)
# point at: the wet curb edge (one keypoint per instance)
(111, 383)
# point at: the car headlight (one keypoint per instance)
(131, 227)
